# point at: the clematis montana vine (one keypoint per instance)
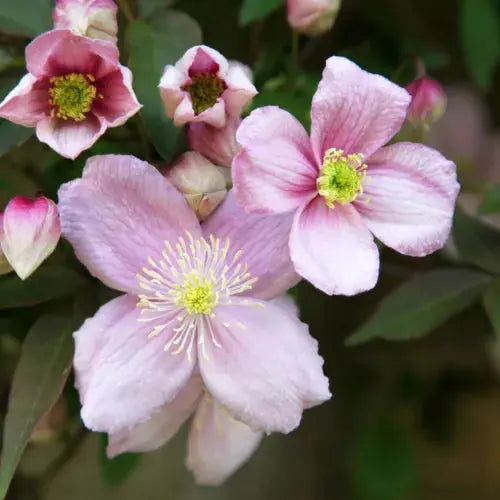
(74, 90)
(341, 184)
(204, 87)
(197, 302)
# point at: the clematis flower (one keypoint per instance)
(92, 18)
(341, 184)
(204, 87)
(196, 301)
(74, 90)
(219, 145)
(428, 101)
(312, 17)
(29, 233)
(202, 183)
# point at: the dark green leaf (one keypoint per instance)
(38, 380)
(480, 33)
(47, 283)
(491, 201)
(421, 304)
(251, 10)
(491, 302)
(148, 7)
(151, 50)
(477, 243)
(25, 17)
(116, 470)
(13, 135)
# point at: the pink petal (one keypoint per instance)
(240, 90)
(27, 103)
(333, 249)
(412, 191)
(118, 101)
(70, 138)
(215, 115)
(218, 444)
(122, 376)
(263, 240)
(267, 369)
(202, 59)
(119, 214)
(170, 89)
(275, 171)
(162, 425)
(354, 110)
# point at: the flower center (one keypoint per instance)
(197, 295)
(340, 177)
(204, 89)
(72, 95)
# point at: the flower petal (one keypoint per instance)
(412, 191)
(122, 376)
(333, 249)
(119, 214)
(263, 240)
(275, 171)
(240, 90)
(354, 110)
(267, 369)
(218, 444)
(162, 425)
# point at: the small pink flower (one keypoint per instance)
(74, 90)
(312, 17)
(202, 183)
(196, 301)
(341, 184)
(219, 145)
(204, 87)
(92, 18)
(428, 101)
(29, 233)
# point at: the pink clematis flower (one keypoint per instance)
(74, 90)
(428, 101)
(204, 87)
(341, 184)
(196, 301)
(312, 17)
(93, 18)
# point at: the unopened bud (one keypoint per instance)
(312, 17)
(428, 101)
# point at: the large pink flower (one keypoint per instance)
(342, 184)
(74, 90)
(196, 300)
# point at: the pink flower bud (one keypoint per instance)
(217, 144)
(202, 183)
(30, 230)
(428, 101)
(92, 18)
(312, 17)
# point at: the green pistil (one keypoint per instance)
(204, 89)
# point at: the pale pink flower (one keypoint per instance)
(219, 145)
(204, 87)
(428, 101)
(74, 90)
(196, 301)
(92, 18)
(341, 184)
(312, 17)
(29, 232)
(202, 183)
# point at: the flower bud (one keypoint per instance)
(202, 183)
(428, 101)
(312, 17)
(30, 230)
(92, 18)
(217, 144)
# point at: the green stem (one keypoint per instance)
(126, 10)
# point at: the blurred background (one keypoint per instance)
(416, 407)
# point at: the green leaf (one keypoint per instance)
(480, 33)
(13, 135)
(251, 10)
(491, 201)
(477, 243)
(421, 304)
(384, 464)
(152, 47)
(491, 302)
(116, 470)
(25, 17)
(148, 7)
(47, 283)
(38, 380)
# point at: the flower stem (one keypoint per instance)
(126, 10)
